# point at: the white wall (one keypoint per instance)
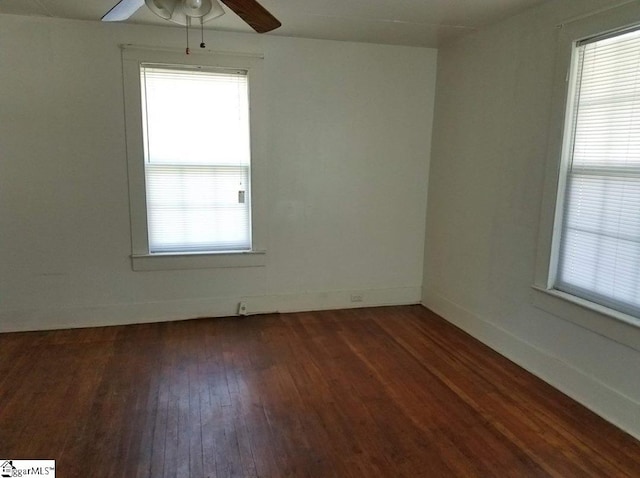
(491, 127)
(347, 156)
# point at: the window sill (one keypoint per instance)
(167, 262)
(604, 321)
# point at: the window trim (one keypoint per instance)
(590, 315)
(141, 258)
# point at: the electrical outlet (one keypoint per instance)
(242, 308)
(356, 297)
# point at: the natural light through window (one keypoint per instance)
(197, 159)
(599, 248)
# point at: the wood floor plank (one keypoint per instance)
(394, 391)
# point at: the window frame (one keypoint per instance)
(141, 258)
(603, 320)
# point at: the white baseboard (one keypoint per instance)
(332, 300)
(20, 320)
(622, 411)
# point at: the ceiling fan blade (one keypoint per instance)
(122, 10)
(254, 14)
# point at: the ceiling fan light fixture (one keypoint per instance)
(215, 10)
(162, 8)
(183, 11)
(253, 14)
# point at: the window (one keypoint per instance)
(191, 140)
(598, 225)
(197, 158)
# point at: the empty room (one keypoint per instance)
(284, 238)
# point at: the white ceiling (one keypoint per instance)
(427, 23)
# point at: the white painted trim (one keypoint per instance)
(331, 300)
(167, 310)
(168, 262)
(614, 325)
(593, 13)
(132, 57)
(557, 162)
(610, 404)
(143, 49)
(53, 318)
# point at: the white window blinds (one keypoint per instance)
(599, 255)
(197, 159)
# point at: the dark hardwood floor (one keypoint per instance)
(384, 392)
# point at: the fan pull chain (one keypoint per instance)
(202, 44)
(187, 51)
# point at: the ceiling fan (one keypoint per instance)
(186, 12)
